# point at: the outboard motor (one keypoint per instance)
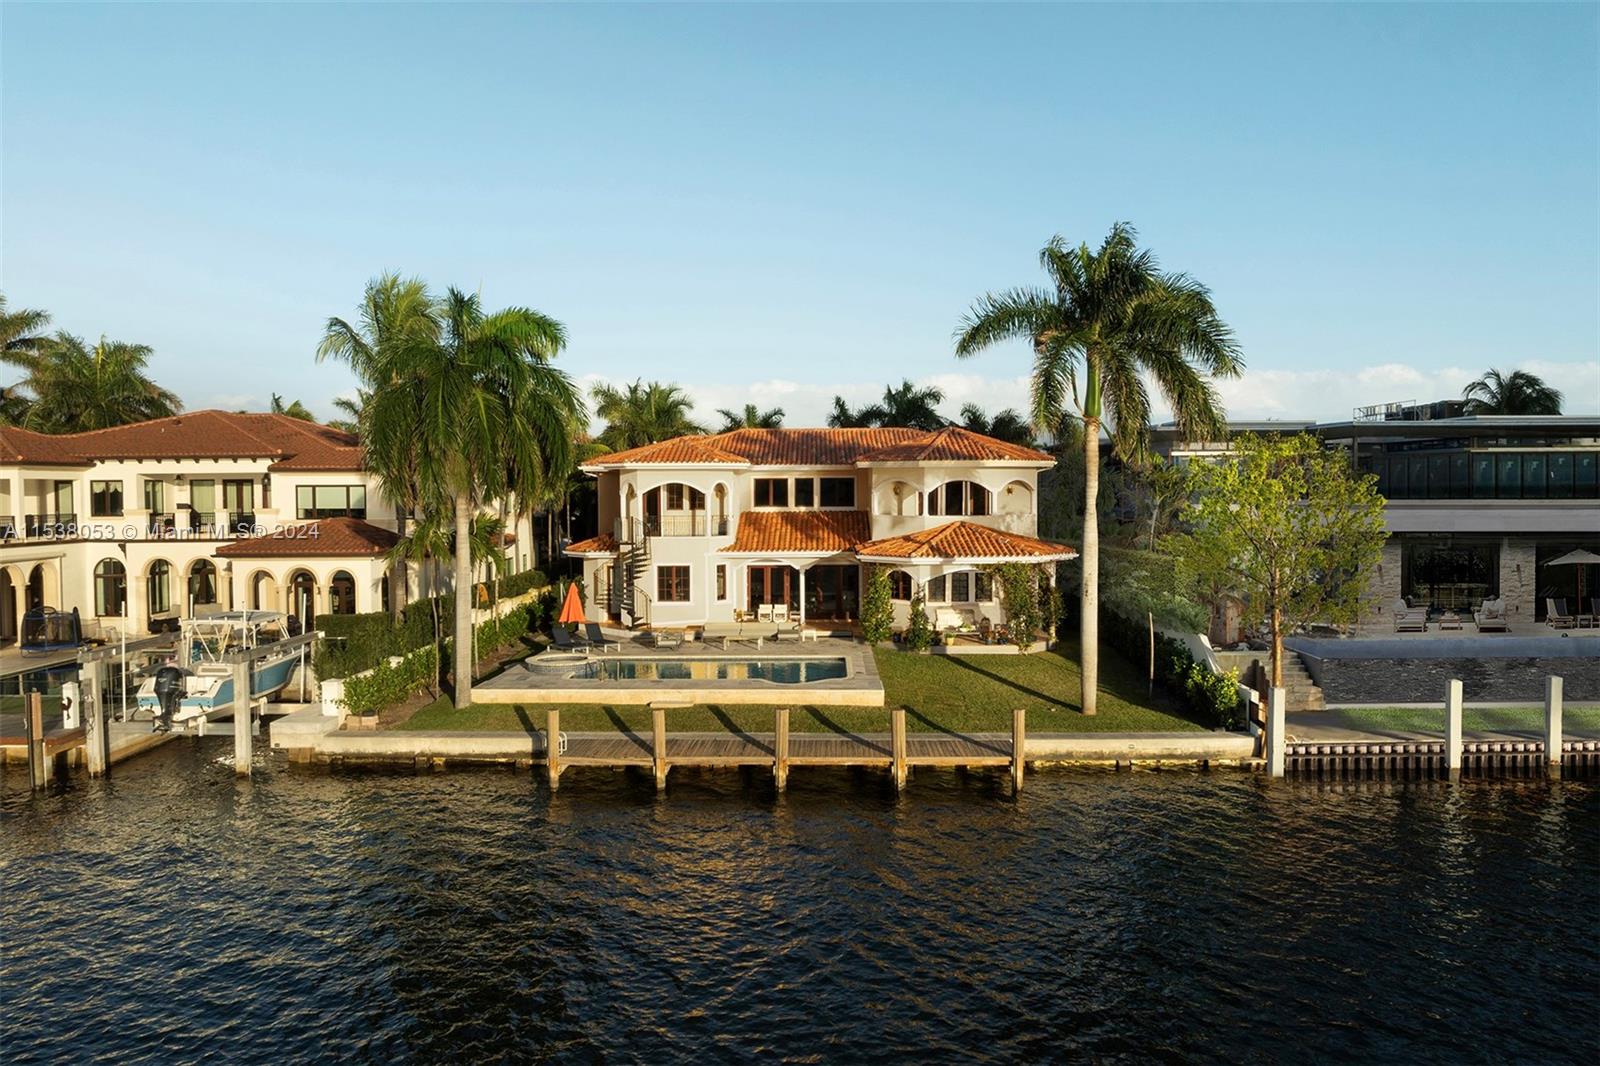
(169, 693)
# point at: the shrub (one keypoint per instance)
(1209, 696)
(1019, 591)
(877, 607)
(919, 633)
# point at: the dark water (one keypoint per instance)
(170, 915)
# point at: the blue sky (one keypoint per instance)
(776, 203)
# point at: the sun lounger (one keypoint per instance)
(664, 638)
(1556, 616)
(596, 638)
(564, 639)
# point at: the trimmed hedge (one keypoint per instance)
(1210, 696)
(389, 683)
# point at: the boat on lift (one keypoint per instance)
(208, 686)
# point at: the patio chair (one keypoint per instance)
(1491, 616)
(595, 637)
(1408, 618)
(564, 639)
(1556, 616)
(764, 612)
(664, 638)
(780, 613)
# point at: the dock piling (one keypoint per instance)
(552, 746)
(38, 765)
(242, 738)
(1019, 717)
(1552, 720)
(1277, 730)
(1452, 728)
(897, 736)
(97, 739)
(658, 744)
(780, 747)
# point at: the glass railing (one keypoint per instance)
(1546, 474)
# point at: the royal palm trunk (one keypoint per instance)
(463, 601)
(1089, 592)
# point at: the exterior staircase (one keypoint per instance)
(635, 568)
(1300, 692)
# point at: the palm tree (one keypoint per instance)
(1109, 321)
(1516, 393)
(903, 405)
(640, 414)
(21, 334)
(494, 416)
(352, 409)
(78, 388)
(295, 409)
(751, 417)
(1008, 425)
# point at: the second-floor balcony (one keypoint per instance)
(693, 524)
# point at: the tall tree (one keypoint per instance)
(1109, 321)
(905, 405)
(641, 413)
(752, 417)
(77, 388)
(491, 403)
(352, 409)
(1516, 393)
(22, 334)
(1296, 529)
(295, 409)
(1008, 425)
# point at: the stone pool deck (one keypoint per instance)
(862, 686)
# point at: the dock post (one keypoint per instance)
(1552, 721)
(1277, 728)
(96, 741)
(242, 747)
(658, 744)
(552, 746)
(780, 747)
(897, 736)
(38, 765)
(1019, 718)
(1452, 727)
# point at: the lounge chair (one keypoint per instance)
(664, 638)
(1491, 616)
(1408, 618)
(1556, 616)
(595, 637)
(566, 640)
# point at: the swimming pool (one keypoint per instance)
(776, 671)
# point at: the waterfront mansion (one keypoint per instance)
(141, 525)
(711, 528)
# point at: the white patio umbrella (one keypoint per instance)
(1579, 557)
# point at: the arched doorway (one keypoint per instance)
(158, 589)
(341, 593)
(202, 583)
(263, 592)
(110, 588)
(11, 585)
(38, 587)
(303, 597)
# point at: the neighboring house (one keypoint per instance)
(157, 520)
(1477, 505)
(703, 529)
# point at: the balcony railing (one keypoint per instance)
(697, 524)
(161, 524)
(50, 525)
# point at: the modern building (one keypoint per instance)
(141, 525)
(704, 529)
(1478, 505)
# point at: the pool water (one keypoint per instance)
(777, 671)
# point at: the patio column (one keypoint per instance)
(802, 596)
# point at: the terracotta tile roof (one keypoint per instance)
(780, 532)
(333, 537)
(604, 544)
(824, 447)
(955, 444)
(306, 445)
(18, 445)
(964, 540)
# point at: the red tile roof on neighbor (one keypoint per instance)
(604, 544)
(824, 447)
(798, 532)
(343, 538)
(290, 443)
(964, 540)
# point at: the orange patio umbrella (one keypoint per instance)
(571, 607)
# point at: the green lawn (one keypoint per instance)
(939, 692)
(1583, 720)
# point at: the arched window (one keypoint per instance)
(303, 597)
(899, 585)
(959, 498)
(263, 591)
(202, 582)
(110, 588)
(341, 593)
(158, 596)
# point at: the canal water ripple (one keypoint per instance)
(172, 915)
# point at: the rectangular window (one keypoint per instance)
(805, 492)
(105, 499)
(1560, 467)
(672, 584)
(1508, 476)
(984, 585)
(936, 590)
(1585, 468)
(155, 497)
(1482, 476)
(1533, 476)
(772, 492)
(838, 492)
(960, 587)
(675, 497)
(330, 501)
(1438, 477)
(722, 582)
(239, 497)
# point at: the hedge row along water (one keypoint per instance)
(1210, 696)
